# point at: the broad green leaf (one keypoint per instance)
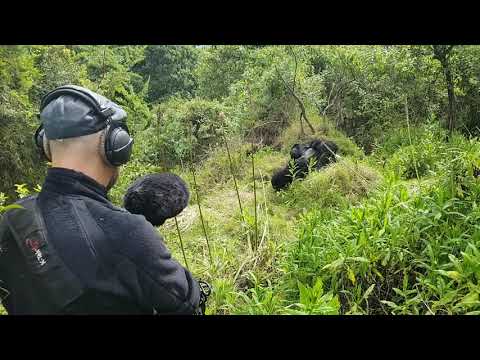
(378, 273)
(389, 303)
(476, 312)
(363, 238)
(318, 288)
(304, 298)
(359, 259)
(334, 264)
(470, 298)
(351, 275)
(11, 207)
(455, 275)
(369, 290)
(398, 292)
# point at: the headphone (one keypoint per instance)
(116, 143)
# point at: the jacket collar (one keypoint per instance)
(70, 182)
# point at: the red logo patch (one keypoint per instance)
(33, 244)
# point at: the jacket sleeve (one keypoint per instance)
(159, 282)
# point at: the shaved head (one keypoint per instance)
(83, 154)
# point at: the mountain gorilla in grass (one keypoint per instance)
(158, 197)
(318, 152)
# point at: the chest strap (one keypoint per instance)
(56, 284)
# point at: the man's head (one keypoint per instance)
(83, 154)
(84, 131)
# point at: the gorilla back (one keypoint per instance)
(322, 152)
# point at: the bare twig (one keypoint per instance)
(329, 104)
(200, 208)
(222, 117)
(201, 216)
(300, 102)
(410, 140)
(296, 66)
(103, 68)
(264, 234)
(255, 199)
(181, 244)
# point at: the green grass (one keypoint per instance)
(364, 235)
(410, 247)
(354, 238)
(247, 281)
(398, 252)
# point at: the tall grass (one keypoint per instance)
(392, 233)
(181, 244)
(201, 215)
(404, 250)
(255, 202)
(233, 176)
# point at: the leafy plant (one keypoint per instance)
(313, 301)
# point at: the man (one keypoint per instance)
(69, 250)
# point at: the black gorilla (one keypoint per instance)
(322, 152)
(158, 197)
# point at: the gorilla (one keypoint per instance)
(158, 197)
(322, 152)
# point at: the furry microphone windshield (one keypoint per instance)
(158, 197)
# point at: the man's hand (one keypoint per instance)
(205, 291)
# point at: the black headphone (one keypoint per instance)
(116, 144)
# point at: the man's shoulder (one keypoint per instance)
(26, 199)
(22, 204)
(129, 234)
(115, 215)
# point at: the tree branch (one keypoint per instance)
(300, 103)
(296, 65)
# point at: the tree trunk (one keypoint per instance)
(441, 53)
(406, 110)
(300, 103)
(451, 97)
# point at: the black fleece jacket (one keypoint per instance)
(119, 257)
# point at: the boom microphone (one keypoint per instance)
(158, 197)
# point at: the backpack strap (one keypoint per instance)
(57, 285)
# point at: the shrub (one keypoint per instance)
(184, 128)
(128, 174)
(420, 156)
(401, 251)
(335, 186)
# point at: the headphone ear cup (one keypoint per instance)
(115, 145)
(46, 148)
(119, 146)
(42, 144)
(103, 146)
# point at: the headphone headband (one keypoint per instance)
(117, 143)
(105, 112)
